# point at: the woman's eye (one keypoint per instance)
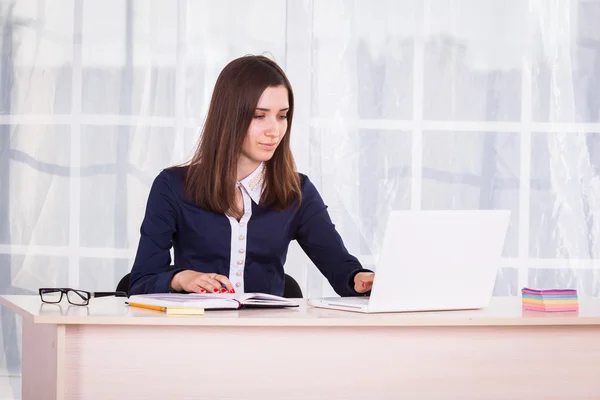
(283, 117)
(259, 116)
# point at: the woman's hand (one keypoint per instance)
(363, 281)
(199, 282)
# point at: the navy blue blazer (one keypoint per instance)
(201, 241)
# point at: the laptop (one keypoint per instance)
(433, 261)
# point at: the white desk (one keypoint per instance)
(109, 351)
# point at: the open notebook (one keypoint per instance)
(207, 301)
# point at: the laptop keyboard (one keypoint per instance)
(352, 300)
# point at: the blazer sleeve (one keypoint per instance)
(152, 271)
(321, 242)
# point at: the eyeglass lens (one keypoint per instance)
(77, 297)
(51, 295)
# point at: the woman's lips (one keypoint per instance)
(268, 146)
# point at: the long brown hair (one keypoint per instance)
(212, 172)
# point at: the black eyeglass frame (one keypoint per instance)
(80, 293)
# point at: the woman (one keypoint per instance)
(231, 212)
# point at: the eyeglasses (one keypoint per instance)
(74, 296)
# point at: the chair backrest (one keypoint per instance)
(123, 285)
(291, 290)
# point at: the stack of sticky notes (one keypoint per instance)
(550, 299)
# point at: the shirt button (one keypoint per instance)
(238, 284)
(239, 273)
(242, 237)
(242, 223)
(240, 262)
(241, 251)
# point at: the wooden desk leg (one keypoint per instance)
(43, 361)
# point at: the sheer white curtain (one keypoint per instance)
(434, 104)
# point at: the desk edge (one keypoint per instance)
(18, 310)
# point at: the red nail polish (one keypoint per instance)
(363, 284)
(216, 290)
(223, 290)
(202, 291)
(232, 290)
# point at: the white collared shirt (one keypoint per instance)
(251, 188)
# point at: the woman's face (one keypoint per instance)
(267, 128)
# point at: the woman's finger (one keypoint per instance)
(203, 283)
(197, 289)
(363, 281)
(225, 281)
(211, 284)
(216, 284)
